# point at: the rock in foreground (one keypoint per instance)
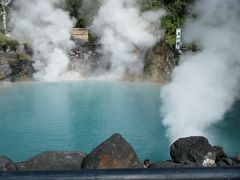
(53, 161)
(115, 152)
(171, 164)
(193, 150)
(6, 164)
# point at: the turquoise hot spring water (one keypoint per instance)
(77, 116)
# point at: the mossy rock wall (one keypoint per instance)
(159, 63)
(15, 67)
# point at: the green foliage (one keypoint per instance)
(175, 18)
(176, 14)
(148, 57)
(8, 43)
(24, 57)
(12, 44)
(83, 11)
(26, 44)
(194, 46)
(151, 4)
(89, 10)
(92, 37)
(73, 7)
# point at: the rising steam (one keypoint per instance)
(47, 27)
(125, 33)
(205, 84)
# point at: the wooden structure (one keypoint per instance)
(80, 33)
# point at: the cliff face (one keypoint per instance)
(85, 57)
(15, 67)
(159, 63)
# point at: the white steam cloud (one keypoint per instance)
(205, 85)
(47, 28)
(125, 33)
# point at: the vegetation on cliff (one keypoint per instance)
(15, 62)
(7, 43)
(159, 61)
(176, 14)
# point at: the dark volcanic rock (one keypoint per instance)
(115, 152)
(171, 164)
(190, 149)
(6, 164)
(219, 152)
(13, 67)
(5, 71)
(226, 162)
(53, 161)
(237, 159)
(84, 57)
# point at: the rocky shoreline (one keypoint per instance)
(85, 57)
(116, 152)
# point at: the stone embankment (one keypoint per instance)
(116, 152)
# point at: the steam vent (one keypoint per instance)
(120, 89)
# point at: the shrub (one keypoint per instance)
(8, 43)
(24, 57)
(175, 17)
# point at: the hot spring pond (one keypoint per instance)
(77, 116)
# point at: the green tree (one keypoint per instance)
(73, 6)
(84, 11)
(176, 14)
(4, 12)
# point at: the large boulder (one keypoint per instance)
(219, 152)
(115, 152)
(193, 150)
(53, 161)
(6, 164)
(225, 162)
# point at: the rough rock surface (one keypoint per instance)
(192, 150)
(159, 63)
(84, 58)
(53, 161)
(171, 164)
(115, 152)
(219, 152)
(6, 164)
(14, 68)
(5, 71)
(224, 162)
